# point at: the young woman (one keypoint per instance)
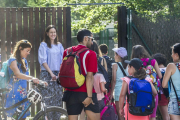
(19, 75)
(50, 56)
(172, 71)
(120, 55)
(135, 69)
(138, 51)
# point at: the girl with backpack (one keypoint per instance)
(138, 51)
(173, 74)
(120, 55)
(136, 70)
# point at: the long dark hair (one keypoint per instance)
(20, 45)
(122, 61)
(138, 51)
(95, 48)
(46, 37)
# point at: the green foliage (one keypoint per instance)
(96, 17)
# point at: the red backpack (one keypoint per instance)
(70, 75)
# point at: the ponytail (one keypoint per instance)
(140, 74)
(123, 63)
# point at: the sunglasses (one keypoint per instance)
(91, 38)
(25, 41)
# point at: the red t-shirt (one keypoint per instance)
(88, 64)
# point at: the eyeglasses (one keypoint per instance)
(91, 38)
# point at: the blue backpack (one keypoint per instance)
(141, 100)
(4, 80)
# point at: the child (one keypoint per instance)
(120, 55)
(138, 51)
(163, 101)
(173, 72)
(135, 69)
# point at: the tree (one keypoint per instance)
(96, 17)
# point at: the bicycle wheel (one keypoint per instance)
(52, 110)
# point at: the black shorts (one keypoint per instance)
(74, 103)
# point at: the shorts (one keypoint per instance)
(101, 104)
(116, 97)
(74, 103)
(173, 107)
(163, 101)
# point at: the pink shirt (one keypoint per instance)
(98, 78)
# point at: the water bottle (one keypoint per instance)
(17, 113)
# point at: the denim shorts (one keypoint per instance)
(173, 107)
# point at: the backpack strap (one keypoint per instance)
(81, 51)
(122, 69)
(177, 65)
(69, 50)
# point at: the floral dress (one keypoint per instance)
(18, 90)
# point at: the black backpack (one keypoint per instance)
(103, 71)
(109, 62)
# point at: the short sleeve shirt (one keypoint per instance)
(88, 64)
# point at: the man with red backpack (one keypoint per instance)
(83, 96)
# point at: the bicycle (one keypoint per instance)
(34, 97)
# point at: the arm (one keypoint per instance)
(156, 67)
(124, 90)
(89, 87)
(113, 82)
(19, 75)
(49, 70)
(154, 91)
(102, 86)
(170, 70)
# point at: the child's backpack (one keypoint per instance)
(4, 79)
(141, 100)
(151, 72)
(70, 75)
(103, 71)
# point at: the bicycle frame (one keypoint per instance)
(16, 105)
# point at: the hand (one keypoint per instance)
(35, 80)
(106, 92)
(121, 112)
(53, 77)
(87, 101)
(46, 84)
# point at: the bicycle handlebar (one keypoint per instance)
(41, 83)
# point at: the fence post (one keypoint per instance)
(122, 27)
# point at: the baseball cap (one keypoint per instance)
(121, 51)
(135, 62)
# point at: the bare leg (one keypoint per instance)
(164, 112)
(117, 111)
(82, 115)
(72, 117)
(92, 116)
(153, 118)
(175, 117)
